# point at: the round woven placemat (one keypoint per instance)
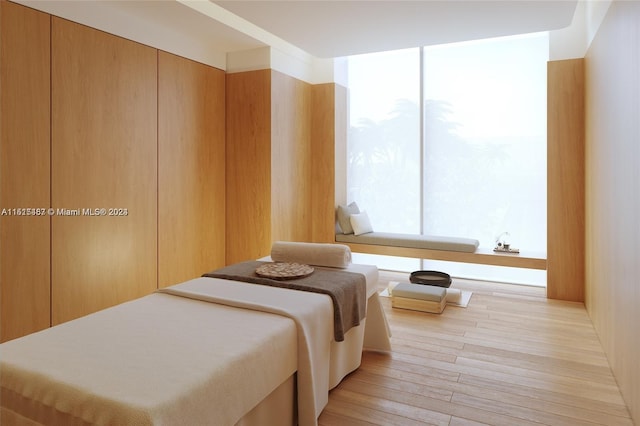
(284, 270)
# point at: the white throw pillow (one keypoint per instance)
(344, 213)
(361, 223)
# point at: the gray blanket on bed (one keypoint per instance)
(347, 290)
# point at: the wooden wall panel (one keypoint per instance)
(24, 170)
(290, 159)
(328, 149)
(104, 155)
(191, 169)
(613, 194)
(340, 142)
(565, 180)
(248, 174)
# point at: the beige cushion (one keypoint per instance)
(421, 292)
(317, 254)
(467, 245)
(344, 214)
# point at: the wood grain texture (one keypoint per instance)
(104, 155)
(613, 193)
(565, 180)
(480, 256)
(248, 165)
(191, 169)
(291, 160)
(269, 162)
(418, 305)
(329, 104)
(489, 363)
(24, 170)
(340, 142)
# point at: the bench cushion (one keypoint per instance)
(418, 291)
(467, 245)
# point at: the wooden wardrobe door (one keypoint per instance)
(24, 171)
(104, 156)
(291, 186)
(191, 173)
(248, 165)
(328, 150)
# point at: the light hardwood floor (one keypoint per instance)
(512, 357)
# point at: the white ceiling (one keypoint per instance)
(175, 18)
(324, 29)
(340, 28)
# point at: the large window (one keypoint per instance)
(383, 154)
(451, 140)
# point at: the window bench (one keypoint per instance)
(438, 248)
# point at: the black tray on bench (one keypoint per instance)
(436, 278)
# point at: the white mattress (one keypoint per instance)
(149, 361)
(162, 358)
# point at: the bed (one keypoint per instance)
(158, 360)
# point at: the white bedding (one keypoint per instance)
(372, 334)
(312, 315)
(155, 360)
(159, 359)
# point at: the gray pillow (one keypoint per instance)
(344, 217)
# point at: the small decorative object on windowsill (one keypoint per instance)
(503, 245)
